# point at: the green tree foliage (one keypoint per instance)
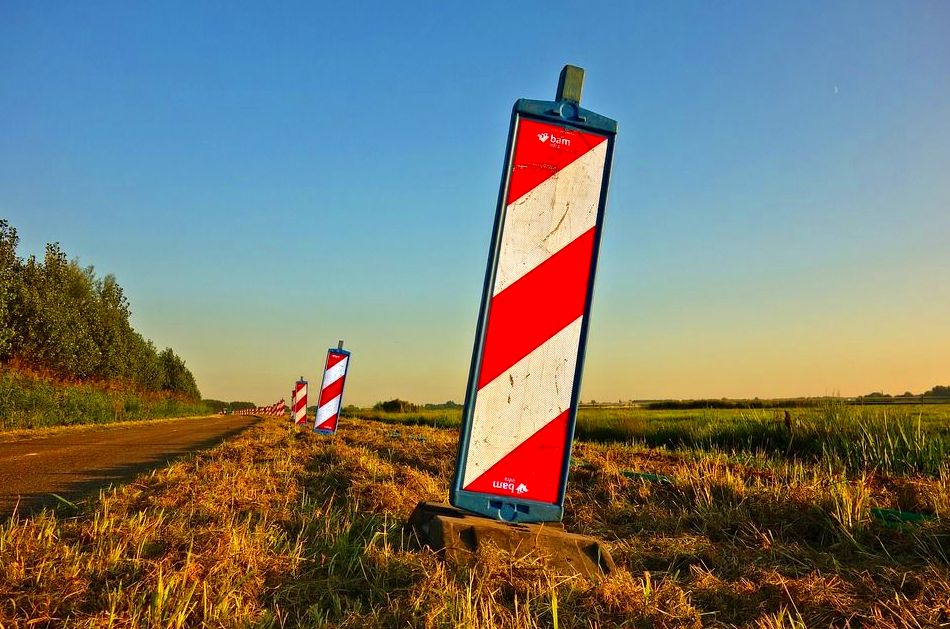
(52, 307)
(9, 263)
(60, 318)
(215, 406)
(240, 406)
(938, 391)
(444, 405)
(177, 377)
(396, 406)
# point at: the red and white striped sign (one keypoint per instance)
(300, 402)
(535, 312)
(331, 392)
(277, 410)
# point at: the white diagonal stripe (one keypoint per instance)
(335, 372)
(522, 400)
(301, 398)
(552, 215)
(328, 410)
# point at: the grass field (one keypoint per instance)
(283, 529)
(894, 439)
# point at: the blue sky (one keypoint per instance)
(264, 180)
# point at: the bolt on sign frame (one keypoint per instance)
(331, 391)
(521, 402)
(300, 402)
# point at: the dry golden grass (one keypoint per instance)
(284, 529)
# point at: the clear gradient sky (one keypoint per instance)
(266, 178)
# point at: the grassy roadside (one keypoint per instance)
(30, 402)
(23, 434)
(283, 529)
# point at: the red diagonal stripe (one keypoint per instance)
(330, 423)
(536, 307)
(520, 466)
(333, 358)
(535, 160)
(332, 390)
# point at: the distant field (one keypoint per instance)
(280, 528)
(899, 439)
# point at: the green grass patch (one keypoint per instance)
(893, 440)
(437, 418)
(29, 402)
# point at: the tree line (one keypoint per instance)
(217, 406)
(939, 391)
(60, 318)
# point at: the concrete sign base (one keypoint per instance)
(456, 535)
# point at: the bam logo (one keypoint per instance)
(509, 485)
(554, 140)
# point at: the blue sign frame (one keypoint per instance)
(567, 114)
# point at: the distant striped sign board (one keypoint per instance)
(521, 403)
(331, 391)
(300, 402)
(275, 410)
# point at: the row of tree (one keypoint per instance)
(939, 391)
(396, 406)
(58, 317)
(217, 406)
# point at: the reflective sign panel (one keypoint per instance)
(522, 398)
(331, 393)
(300, 402)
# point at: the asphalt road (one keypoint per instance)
(75, 464)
